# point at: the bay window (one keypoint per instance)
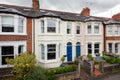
(11, 24)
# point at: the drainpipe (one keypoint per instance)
(33, 35)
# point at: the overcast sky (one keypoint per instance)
(105, 8)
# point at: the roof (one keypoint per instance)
(112, 22)
(38, 13)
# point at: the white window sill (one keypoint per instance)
(5, 66)
(49, 61)
(93, 34)
(48, 34)
(13, 34)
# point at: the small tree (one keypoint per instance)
(63, 59)
(23, 64)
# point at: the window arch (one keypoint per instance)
(69, 43)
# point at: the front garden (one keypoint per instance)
(25, 68)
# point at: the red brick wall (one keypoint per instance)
(29, 36)
(116, 16)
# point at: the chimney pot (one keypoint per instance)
(35, 4)
(85, 11)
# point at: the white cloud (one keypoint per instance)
(109, 12)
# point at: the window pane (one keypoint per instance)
(109, 30)
(7, 52)
(96, 29)
(7, 24)
(42, 26)
(42, 52)
(116, 30)
(51, 51)
(110, 47)
(89, 48)
(20, 25)
(116, 48)
(78, 29)
(20, 49)
(96, 48)
(89, 29)
(69, 26)
(51, 25)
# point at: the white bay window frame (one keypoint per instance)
(15, 45)
(15, 24)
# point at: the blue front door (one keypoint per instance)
(69, 52)
(78, 51)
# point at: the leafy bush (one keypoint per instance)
(62, 70)
(90, 56)
(23, 64)
(38, 73)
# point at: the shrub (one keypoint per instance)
(38, 73)
(90, 56)
(23, 64)
(62, 70)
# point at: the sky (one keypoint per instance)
(102, 8)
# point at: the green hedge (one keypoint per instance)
(61, 70)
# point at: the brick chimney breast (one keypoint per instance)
(85, 11)
(116, 16)
(35, 4)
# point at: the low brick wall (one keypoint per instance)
(67, 76)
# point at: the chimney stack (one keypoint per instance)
(116, 16)
(85, 11)
(35, 4)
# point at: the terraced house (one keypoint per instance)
(53, 34)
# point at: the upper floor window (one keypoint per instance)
(42, 26)
(51, 25)
(7, 23)
(96, 29)
(116, 30)
(89, 29)
(20, 25)
(12, 24)
(109, 30)
(69, 26)
(78, 29)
